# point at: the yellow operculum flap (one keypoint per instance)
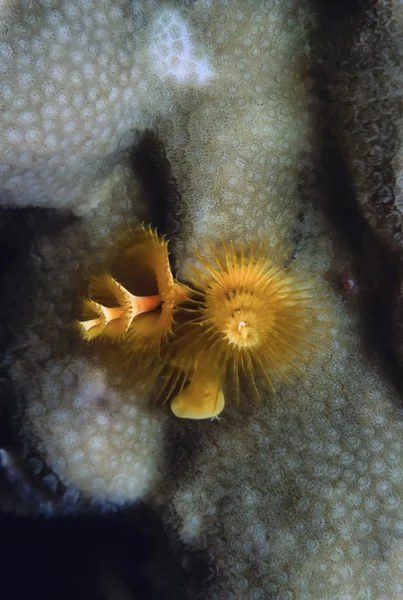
(203, 398)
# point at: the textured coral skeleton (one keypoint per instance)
(297, 496)
(56, 139)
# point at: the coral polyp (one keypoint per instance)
(254, 315)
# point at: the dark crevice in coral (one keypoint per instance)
(158, 184)
(19, 230)
(365, 105)
(332, 13)
(20, 489)
(7, 411)
(187, 441)
(101, 550)
(374, 267)
(197, 571)
(148, 162)
(340, 135)
(124, 555)
(178, 570)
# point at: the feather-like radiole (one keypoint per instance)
(253, 315)
(135, 306)
(242, 314)
(113, 313)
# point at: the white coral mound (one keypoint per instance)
(92, 436)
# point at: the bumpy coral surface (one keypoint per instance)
(298, 496)
(240, 149)
(77, 80)
(94, 438)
